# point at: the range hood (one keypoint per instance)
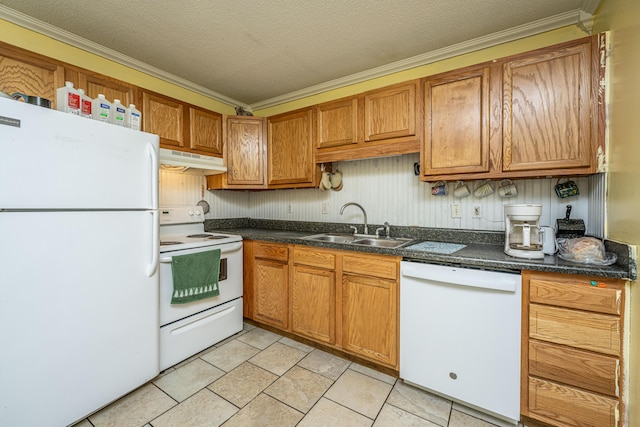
(180, 161)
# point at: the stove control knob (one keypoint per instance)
(190, 212)
(198, 212)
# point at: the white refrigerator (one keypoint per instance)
(78, 264)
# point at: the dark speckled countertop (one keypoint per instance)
(484, 248)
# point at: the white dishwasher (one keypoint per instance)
(460, 335)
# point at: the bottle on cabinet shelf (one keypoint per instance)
(102, 109)
(68, 99)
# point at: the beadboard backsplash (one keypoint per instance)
(389, 191)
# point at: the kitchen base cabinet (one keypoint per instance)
(313, 294)
(344, 300)
(568, 406)
(370, 315)
(271, 284)
(572, 350)
(369, 318)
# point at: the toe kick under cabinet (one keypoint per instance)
(572, 350)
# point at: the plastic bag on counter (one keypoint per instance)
(585, 250)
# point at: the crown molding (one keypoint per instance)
(573, 17)
(554, 22)
(590, 6)
(71, 39)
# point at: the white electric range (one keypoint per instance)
(186, 329)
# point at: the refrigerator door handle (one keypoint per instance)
(153, 153)
(155, 243)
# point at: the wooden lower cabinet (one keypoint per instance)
(341, 299)
(572, 350)
(370, 318)
(313, 294)
(271, 284)
(570, 406)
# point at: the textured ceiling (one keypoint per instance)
(254, 50)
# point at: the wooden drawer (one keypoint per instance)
(271, 251)
(314, 257)
(371, 265)
(562, 405)
(578, 368)
(589, 331)
(580, 295)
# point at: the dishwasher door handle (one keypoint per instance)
(464, 277)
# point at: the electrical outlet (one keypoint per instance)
(325, 208)
(477, 211)
(289, 208)
(456, 210)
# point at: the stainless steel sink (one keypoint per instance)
(331, 237)
(381, 242)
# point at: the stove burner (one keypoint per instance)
(199, 235)
(169, 243)
(216, 237)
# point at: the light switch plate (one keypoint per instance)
(456, 210)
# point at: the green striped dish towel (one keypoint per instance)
(195, 276)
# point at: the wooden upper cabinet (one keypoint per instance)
(337, 123)
(390, 113)
(290, 149)
(456, 122)
(538, 113)
(381, 122)
(94, 85)
(205, 131)
(245, 150)
(547, 109)
(31, 74)
(164, 117)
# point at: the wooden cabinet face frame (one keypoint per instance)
(337, 123)
(29, 73)
(573, 350)
(390, 112)
(457, 122)
(205, 131)
(164, 117)
(545, 116)
(271, 284)
(245, 150)
(290, 149)
(94, 85)
(547, 108)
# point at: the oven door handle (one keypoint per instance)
(228, 248)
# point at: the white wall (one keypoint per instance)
(184, 189)
(389, 191)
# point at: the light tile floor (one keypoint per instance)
(259, 378)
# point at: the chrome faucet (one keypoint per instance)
(366, 227)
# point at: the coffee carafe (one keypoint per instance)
(522, 231)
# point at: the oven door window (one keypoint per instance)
(223, 270)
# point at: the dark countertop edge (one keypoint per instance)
(482, 253)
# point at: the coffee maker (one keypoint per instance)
(522, 231)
